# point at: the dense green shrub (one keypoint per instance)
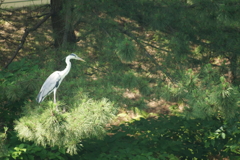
(15, 149)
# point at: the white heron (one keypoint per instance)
(54, 80)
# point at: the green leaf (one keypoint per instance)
(223, 135)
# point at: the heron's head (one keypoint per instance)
(74, 56)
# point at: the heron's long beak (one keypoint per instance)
(80, 59)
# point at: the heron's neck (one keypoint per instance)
(68, 67)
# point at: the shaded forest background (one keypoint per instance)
(160, 81)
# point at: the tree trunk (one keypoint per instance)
(62, 23)
(233, 68)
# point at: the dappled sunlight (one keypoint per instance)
(15, 21)
(159, 81)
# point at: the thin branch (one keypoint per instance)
(38, 16)
(27, 31)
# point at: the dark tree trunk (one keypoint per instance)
(61, 23)
(233, 67)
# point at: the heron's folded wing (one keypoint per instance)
(52, 82)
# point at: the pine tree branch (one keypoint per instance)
(140, 42)
(27, 31)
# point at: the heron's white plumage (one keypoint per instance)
(54, 80)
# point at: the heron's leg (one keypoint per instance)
(54, 98)
(54, 95)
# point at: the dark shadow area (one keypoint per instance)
(166, 137)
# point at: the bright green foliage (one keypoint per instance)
(47, 126)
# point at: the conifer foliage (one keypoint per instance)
(48, 127)
(126, 50)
